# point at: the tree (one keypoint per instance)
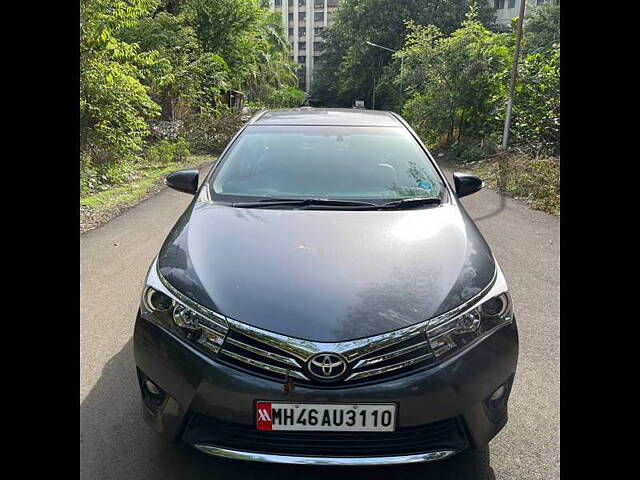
(542, 28)
(456, 83)
(196, 76)
(349, 68)
(114, 103)
(536, 107)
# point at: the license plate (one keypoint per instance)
(326, 417)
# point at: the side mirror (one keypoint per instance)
(183, 181)
(466, 184)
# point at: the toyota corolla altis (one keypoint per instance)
(326, 299)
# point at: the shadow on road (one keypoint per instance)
(115, 443)
(501, 188)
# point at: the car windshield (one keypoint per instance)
(330, 162)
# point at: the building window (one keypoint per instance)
(291, 3)
(277, 3)
(302, 3)
(302, 31)
(512, 4)
(302, 16)
(318, 30)
(302, 46)
(317, 46)
(291, 18)
(291, 32)
(498, 4)
(318, 3)
(302, 59)
(332, 3)
(318, 16)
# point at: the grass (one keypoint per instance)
(534, 180)
(127, 194)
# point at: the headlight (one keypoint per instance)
(475, 323)
(173, 314)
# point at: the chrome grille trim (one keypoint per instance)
(264, 366)
(352, 350)
(310, 460)
(295, 352)
(264, 353)
(389, 368)
(387, 356)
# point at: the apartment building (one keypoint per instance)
(304, 21)
(507, 9)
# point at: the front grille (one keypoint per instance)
(443, 435)
(401, 357)
(407, 354)
(251, 354)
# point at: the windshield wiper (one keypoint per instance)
(412, 202)
(269, 202)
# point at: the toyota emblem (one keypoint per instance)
(327, 366)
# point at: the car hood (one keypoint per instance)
(326, 276)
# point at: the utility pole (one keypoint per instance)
(514, 71)
(374, 77)
(373, 107)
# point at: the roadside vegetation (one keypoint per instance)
(102, 204)
(534, 180)
(161, 80)
(449, 78)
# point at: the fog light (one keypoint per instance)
(498, 393)
(153, 389)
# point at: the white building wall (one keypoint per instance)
(310, 39)
(505, 14)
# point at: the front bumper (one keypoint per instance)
(441, 410)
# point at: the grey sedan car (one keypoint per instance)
(325, 299)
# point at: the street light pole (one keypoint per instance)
(374, 78)
(514, 71)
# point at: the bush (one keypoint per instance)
(465, 152)
(88, 175)
(165, 151)
(209, 132)
(536, 180)
(181, 149)
(97, 177)
(285, 97)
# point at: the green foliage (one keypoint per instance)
(457, 83)
(221, 24)
(349, 68)
(114, 103)
(141, 59)
(542, 28)
(535, 180)
(287, 97)
(165, 151)
(210, 131)
(536, 106)
(181, 149)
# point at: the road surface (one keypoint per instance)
(116, 444)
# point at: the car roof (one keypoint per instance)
(326, 116)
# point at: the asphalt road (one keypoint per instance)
(116, 444)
